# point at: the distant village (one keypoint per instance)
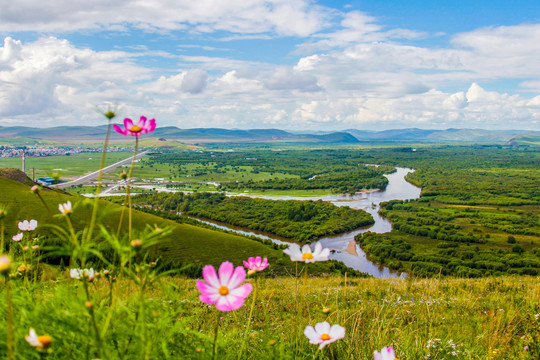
(40, 151)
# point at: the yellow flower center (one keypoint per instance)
(307, 256)
(135, 129)
(223, 291)
(325, 337)
(45, 341)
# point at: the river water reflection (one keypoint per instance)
(345, 249)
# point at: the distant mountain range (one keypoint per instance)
(87, 134)
(448, 135)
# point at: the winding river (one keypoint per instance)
(344, 246)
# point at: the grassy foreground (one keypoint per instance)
(422, 319)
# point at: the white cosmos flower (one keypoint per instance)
(27, 225)
(323, 334)
(387, 353)
(65, 208)
(75, 273)
(17, 237)
(306, 254)
(82, 274)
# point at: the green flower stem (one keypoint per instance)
(216, 330)
(127, 198)
(100, 178)
(9, 302)
(246, 334)
(128, 188)
(97, 336)
(2, 236)
(72, 262)
(37, 267)
(111, 283)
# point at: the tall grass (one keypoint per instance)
(476, 319)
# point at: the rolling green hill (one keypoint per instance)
(186, 243)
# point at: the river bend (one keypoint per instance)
(343, 245)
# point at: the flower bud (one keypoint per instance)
(34, 189)
(123, 175)
(88, 304)
(326, 310)
(110, 114)
(22, 269)
(136, 243)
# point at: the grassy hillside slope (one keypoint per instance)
(186, 243)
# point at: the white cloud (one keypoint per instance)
(282, 17)
(43, 77)
(285, 78)
(360, 76)
(194, 81)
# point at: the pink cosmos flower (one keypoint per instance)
(27, 225)
(17, 237)
(324, 334)
(387, 353)
(255, 264)
(224, 290)
(142, 127)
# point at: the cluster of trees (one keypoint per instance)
(302, 221)
(395, 250)
(366, 177)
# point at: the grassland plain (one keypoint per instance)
(489, 319)
(66, 166)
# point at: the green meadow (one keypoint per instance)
(422, 319)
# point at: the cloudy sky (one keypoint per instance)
(289, 64)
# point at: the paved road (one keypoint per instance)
(94, 175)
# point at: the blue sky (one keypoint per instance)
(290, 64)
